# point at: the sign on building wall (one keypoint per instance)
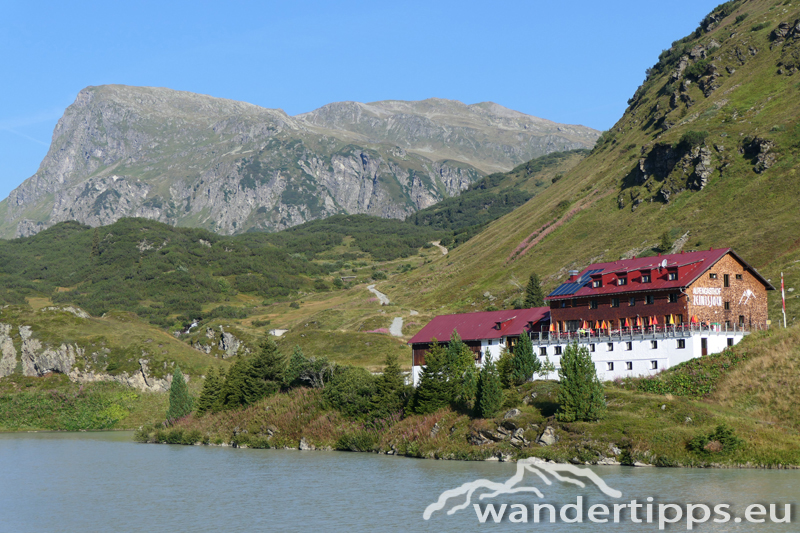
(707, 296)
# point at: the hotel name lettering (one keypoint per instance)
(708, 296)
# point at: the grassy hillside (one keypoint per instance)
(717, 108)
(640, 426)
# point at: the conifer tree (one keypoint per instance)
(435, 391)
(534, 295)
(212, 386)
(461, 372)
(180, 402)
(270, 364)
(236, 390)
(505, 367)
(580, 394)
(489, 396)
(524, 364)
(390, 389)
(297, 362)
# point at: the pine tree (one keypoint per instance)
(435, 391)
(580, 394)
(524, 364)
(270, 364)
(236, 390)
(534, 295)
(390, 389)
(461, 372)
(297, 363)
(505, 367)
(489, 397)
(212, 386)
(666, 243)
(180, 402)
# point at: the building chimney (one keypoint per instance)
(573, 275)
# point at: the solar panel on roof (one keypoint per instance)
(573, 287)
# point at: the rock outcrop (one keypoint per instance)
(8, 354)
(179, 157)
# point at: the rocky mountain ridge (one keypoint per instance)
(193, 160)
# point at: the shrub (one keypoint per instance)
(350, 391)
(691, 138)
(722, 440)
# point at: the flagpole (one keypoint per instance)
(783, 299)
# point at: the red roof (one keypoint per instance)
(485, 325)
(686, 267)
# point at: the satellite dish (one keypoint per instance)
(664, 263)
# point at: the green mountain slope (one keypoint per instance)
(706, 153)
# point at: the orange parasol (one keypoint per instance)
(627, 324)
(655, 321)
(585, 325)
(638, 321)
(552, 327)
(671, 320)
(693, 320)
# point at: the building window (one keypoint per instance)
(574, 303)
(653, 365)
(614, 302)
(628, 345)
(490, 342)
(649, 299)
(672, 276)
(681, 344)
(558, 350)
(592, 304)
(645, 278)
(730, 341)
(629, 365)
(728, 324)
(632, 301)
(739, 277)
(543, 350)
(597, 283)
(654, 345)
(712, 276)
(591, 347)
(741, 321)
(726, 306)
(610, 346)
(563, 304)
(673, 298)
(622, 281)
(610, 366)
(726, 280)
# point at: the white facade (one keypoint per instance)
(621, 356)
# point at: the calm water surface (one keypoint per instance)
(105, 482)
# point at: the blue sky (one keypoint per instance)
(573, 62)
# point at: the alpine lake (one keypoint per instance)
(105, 481)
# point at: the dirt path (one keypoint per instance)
(381, 297)
(439, 246)
(396, 329)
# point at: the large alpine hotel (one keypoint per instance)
(636, 316)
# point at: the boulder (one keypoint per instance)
(304, 445)
(511, 413)
(548, 437)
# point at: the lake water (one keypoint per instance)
(105, 482)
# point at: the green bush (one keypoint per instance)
(364, 440)
(722, 440)
(350, 391)
(691, 139)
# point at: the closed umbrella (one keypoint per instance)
(627, 325)
(655, 321)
